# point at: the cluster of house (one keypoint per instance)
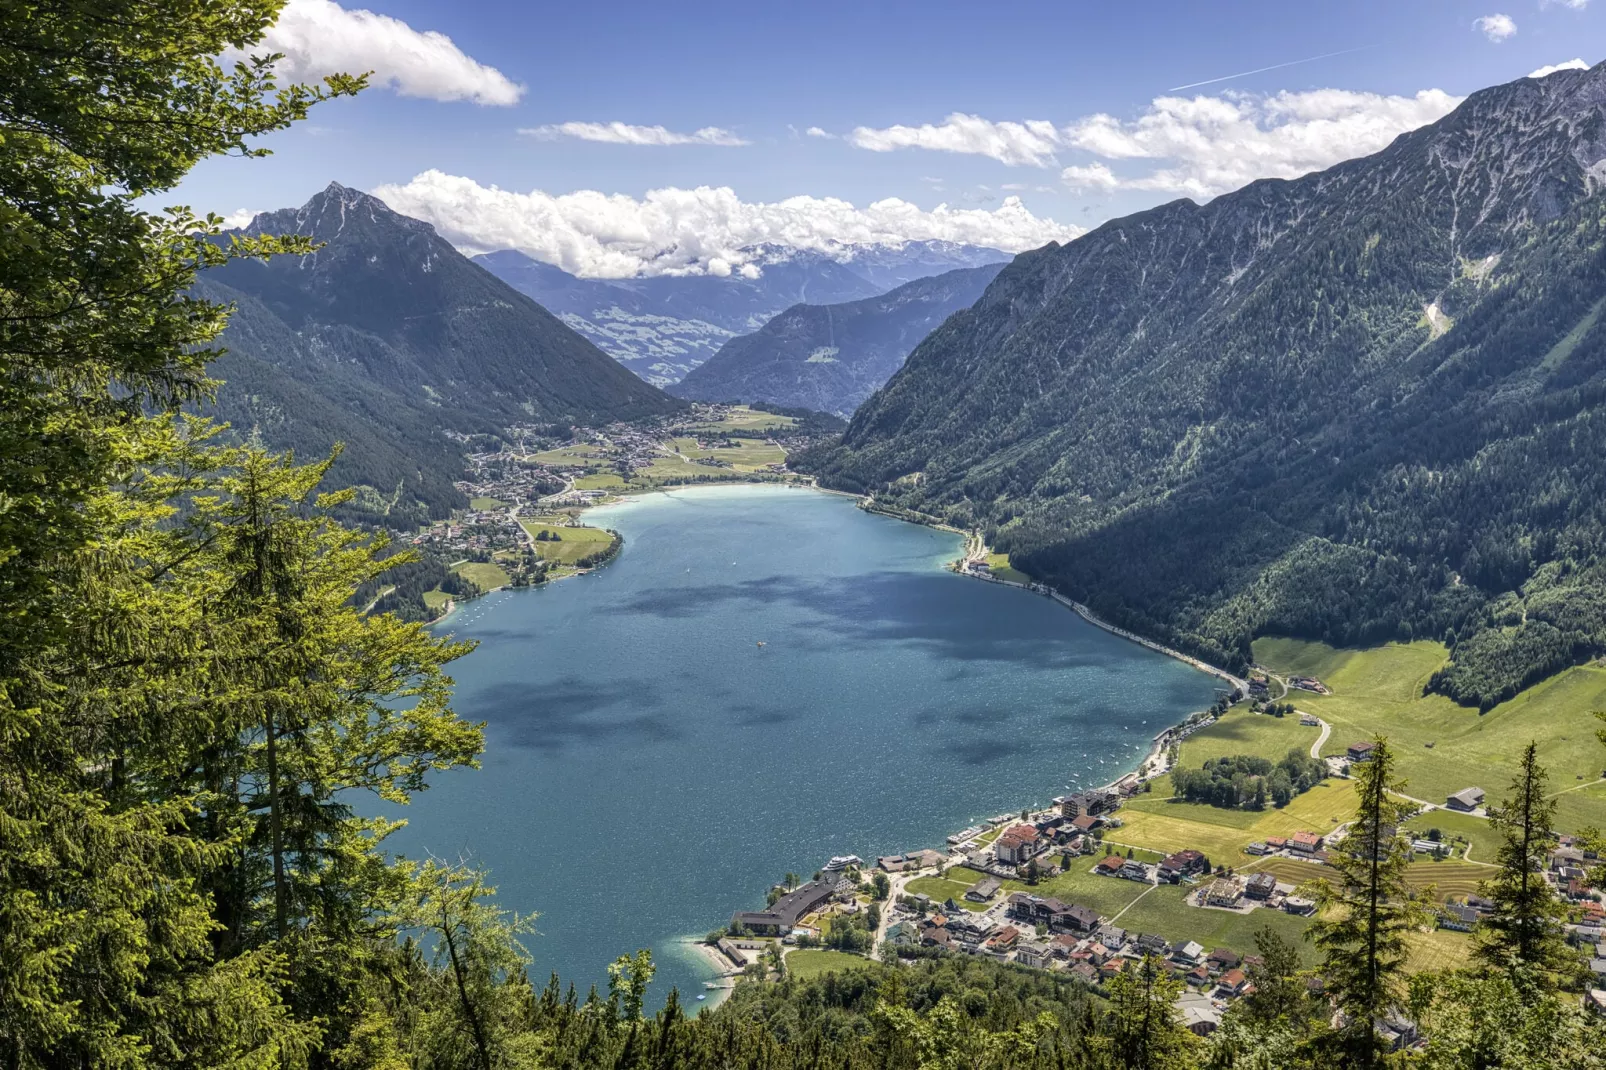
(1049, 934)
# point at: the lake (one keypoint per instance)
(763, 678)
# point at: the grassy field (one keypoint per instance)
(942, 889)
(486, 503)
(741, 418)
(1166, 825)
(600, 481)
(1243, 732)
(807, 962)
(572, 544)
(1475, 830)
(486, 574)
(1379, 690)
(1001, 567)
(1163, 912)
(436, 599)
(570, 457)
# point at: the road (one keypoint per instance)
(1327, 730)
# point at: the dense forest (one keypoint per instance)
(1365, 404)
(195, 711)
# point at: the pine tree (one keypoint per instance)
(1366, 912)
(1522, 935)
(1142, 1029)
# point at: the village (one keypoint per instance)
(887, 909)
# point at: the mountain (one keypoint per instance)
(389, 340)
(663, 326)
(1361, 405)
(831, 357)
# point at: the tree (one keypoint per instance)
(1141, 1027)
(1522, 934)
(880, 885)
(1365, 913)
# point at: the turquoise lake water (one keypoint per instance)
(649, 768)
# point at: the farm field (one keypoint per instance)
(571, 544)
(570, 457)
(1167, 825)
(1476, 830)
(1163, 912)
(1242, 732)
(483, 503)
(486, 574)
(1380, 690)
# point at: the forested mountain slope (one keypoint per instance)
(829, 358)
(1363, 404)
(663, 326)
(388, 339)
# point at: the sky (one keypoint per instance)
(625, 138)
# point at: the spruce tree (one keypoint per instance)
(1522, 935)
(1367, 911)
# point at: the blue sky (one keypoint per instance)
(1071, 108)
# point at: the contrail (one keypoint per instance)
(1273, 67)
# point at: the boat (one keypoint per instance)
(702, 997)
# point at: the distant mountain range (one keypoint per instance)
(663, 326)
(390, 340)
(831, 357)
(1362, 405)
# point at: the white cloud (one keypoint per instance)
(319, 37)
(1030, 143)
(1211, 144)
(1495, 27)
(238, 218)
(815, 131)
(617, 133)
(691, 231)
(1549, 69)
(1095, 176)
(1216, 144)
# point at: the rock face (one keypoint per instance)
(1359, 405)
(390, 341)
(831, 357)
(662, 327)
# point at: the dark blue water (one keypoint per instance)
(650, 768)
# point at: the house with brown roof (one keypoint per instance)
(1233, 982)
(1305, 842)
(1362, 751)
(1175, 867)
(1018, 844)
(1109, 865)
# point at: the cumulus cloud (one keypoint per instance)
(691, 231)
(1207, 144)
(1031, 143)
(1216, 144)
(1495, 27)
(1549, 69)
(319, 37)
(815, 131)
(617, 133)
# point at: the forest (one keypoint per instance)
(1248, 782)
(196, 714)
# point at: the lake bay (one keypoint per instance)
(651, 768)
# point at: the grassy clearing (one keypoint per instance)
(1441, 949)
(487, 503)
(1001, 567)
(742, 418)
(1164, 912)
(1449, 879)
(602, 481)
(808, 962)
(1166, 825)
(941, 889)
(1243, 732)
(485, 574)
(436, 599)
(588, 457)
(572, 543)
(1107, 895)
(1380, 690)
(1475, 830)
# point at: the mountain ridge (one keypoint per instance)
(1196, 418)
(831, 357)
(388, 339)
